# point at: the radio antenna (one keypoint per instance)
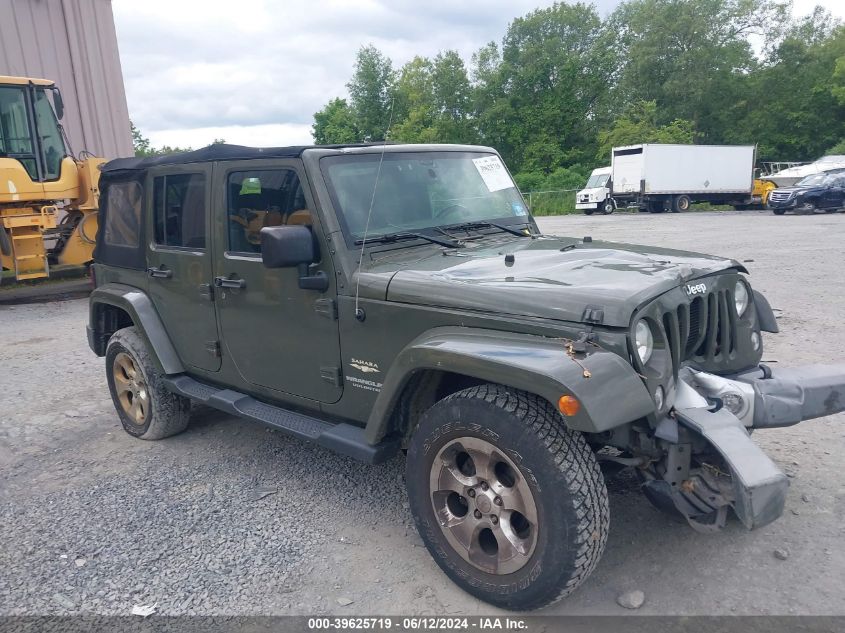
(359, 313)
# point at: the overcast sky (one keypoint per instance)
(255, 71)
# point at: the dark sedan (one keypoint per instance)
(824, 192)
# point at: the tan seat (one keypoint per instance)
(301, 217)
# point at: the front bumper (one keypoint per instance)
(721, 410)
(587, 205)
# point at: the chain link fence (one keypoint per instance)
(552, 202)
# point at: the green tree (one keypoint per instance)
(371, 93)
(414, 107)
(790, 107)
(140, 143)
(539, 103)
(690, 57)
(639, 124)
(335, 123)
(143, 147)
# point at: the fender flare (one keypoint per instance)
(613, 394)
(145, 317)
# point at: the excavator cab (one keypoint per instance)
(39, 181)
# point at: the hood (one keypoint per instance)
(548, 277)
(595, 191)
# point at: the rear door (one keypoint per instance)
(278, 335)
(179, 261)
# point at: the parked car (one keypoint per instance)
(372, 299)
(824, 192)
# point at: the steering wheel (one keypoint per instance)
(449, 210)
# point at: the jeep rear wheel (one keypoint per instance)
(509, 502)
(146, 409)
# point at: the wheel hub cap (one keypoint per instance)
(131, 388)
(483, 505)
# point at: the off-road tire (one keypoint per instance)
(558, 467)
(167, 413)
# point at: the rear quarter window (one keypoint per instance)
(123, 216)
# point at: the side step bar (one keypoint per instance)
(342, 438)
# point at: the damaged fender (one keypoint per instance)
(527, 362)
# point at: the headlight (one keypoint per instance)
(741, 297)
(644, 341)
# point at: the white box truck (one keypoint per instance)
(658, 177)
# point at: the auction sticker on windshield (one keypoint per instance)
(493, 173)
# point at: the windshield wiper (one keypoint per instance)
(495, 225)
(396, 237)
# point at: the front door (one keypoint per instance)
(278, 336)
(180, 262)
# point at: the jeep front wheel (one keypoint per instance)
(147, 410)
(509, 502)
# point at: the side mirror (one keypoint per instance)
(59, 103)
(293, 246)
(287, 246)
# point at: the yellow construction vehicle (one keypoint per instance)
(48, 198)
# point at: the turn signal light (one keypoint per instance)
(568, 405)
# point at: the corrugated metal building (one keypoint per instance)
(72, 42)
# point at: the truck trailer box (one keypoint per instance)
(660, 169)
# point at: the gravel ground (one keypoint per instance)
(229, 518)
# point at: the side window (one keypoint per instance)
(123, 214)
(260, 198)
(179, 210)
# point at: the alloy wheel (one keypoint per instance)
(484, 505)
(131, 388)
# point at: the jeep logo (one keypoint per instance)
(697, 289)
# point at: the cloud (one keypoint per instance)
(195, 68)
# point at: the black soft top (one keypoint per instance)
(220, 151)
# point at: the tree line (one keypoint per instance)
(565, 85)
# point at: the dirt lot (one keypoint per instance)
(229, 518)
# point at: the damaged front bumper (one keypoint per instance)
(720, 410)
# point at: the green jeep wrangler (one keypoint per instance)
(384, 298)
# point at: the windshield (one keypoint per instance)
(15, 134)
(596, 181)
(421, 190)
(815, 180)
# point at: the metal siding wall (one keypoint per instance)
(74, 43)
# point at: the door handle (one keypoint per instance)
(161, 273)
(223, 282)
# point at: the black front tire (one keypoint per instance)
(588, 211)
(778, 211)
(554, 463)
(609, 207)
(147, 410)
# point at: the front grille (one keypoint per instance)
(704, 330)
(779, 196)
